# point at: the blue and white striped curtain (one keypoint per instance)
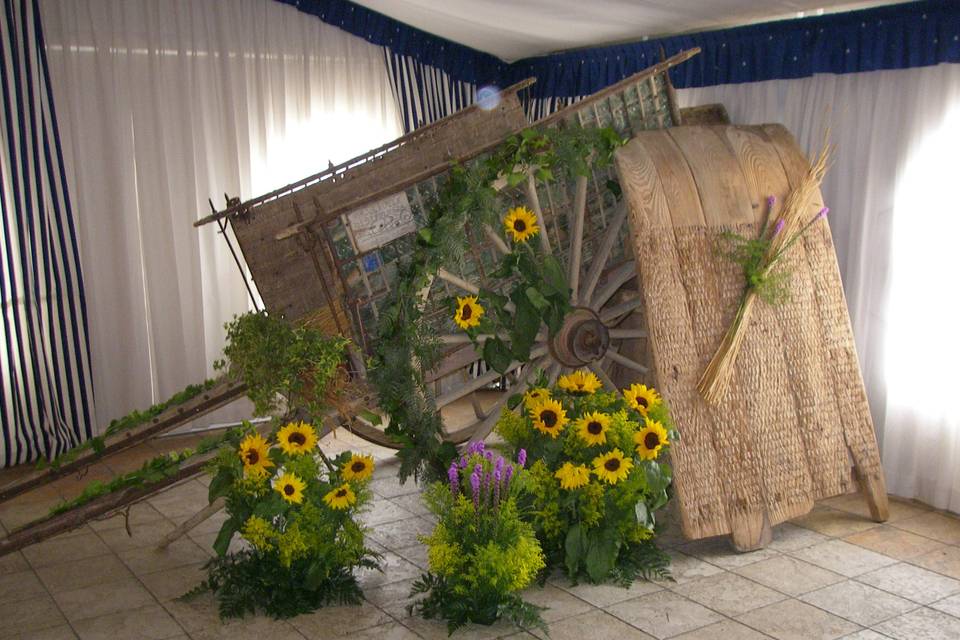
(46, 401)
(425, 93)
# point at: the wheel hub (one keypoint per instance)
(582, 339)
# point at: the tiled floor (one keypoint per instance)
(830, 574)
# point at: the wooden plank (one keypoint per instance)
(704, 115)
(720, 183)
(679, 188)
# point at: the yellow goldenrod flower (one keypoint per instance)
(572, 476)
(592, 428)
(297, 438)
(468, 312)
(580, 382)
(650, 440)
(612, 467)
(357, 467)
(521, 224)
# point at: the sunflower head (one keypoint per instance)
(254, 452)
(341, 497)
(592, 428)
(468, 312)
(290, 487)
(650, 440)
(548, 417)
(521, 224)
(580, 383)
(612, 467)
(297, 438)
(641, 398)
(572, 476)
(357, 467)
(533, 396)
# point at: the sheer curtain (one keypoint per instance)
(164, 103)
(895, 219)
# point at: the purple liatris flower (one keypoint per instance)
(475, 486)
(823, 213)
(522, 458)
(487, 487)
(488, 455)
(497, 479)
(771, 200)
(454, 475)
(507, 475)
(778, 228)
(475, 447)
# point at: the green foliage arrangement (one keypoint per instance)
(481, 552)
(296, 510)
(407, 347)
(285, 367)
(598, 475)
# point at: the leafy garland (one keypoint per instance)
(407, 347)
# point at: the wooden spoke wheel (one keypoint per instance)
(601, 333)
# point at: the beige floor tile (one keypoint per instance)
(393, 597)
(558, 604)
(831, 522)
(140, 514)
(921, 624)
(726, 630)
(390, 631)
(339, 621)
(843, 558)
(13, 563)
(894, 542)
(144, 534)
(789, 575)
(147, 623)
(913, 583)
(393, 569)
(949, 605)
(729, 593)
(866, 634)
(390, 487)
(412, 502)
(182, 501)
(933, 525)
(401, 533)
(795, 620)
(664, 614)
(250, 628)
(790, 537)
(63, 549)
(855, 503)
(858, 602)
(720, 551)
(102, 599)
(195, 614)
(381, 511)
(62, 632)
(684, 568)
(173, 583)
(22, 585)
(40, 613)
(603, 595)
(81, 573)
(945, 560)
(416, 554)
(596, 625)
(437, 630)
(150, 559)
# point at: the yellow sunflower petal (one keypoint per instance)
(572, 476)
(533, 396)
(521, 224)
(468, 312)
(341, 497)
(612, 467)
(650, 440)
(641, 398)
(290, 487)
(254, 452)
(592, 428)
(297, 438)
(580, 382)
(357, 467)
(549, 417)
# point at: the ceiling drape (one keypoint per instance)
(164, 104)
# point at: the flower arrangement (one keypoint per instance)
(598, 474)
(296, 510)
(481, 552)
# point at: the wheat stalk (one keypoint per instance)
(795, 215)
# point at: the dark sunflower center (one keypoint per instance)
(297, 438)
(358, 466)
(548, 417)
(651, 440)
(643, 402)
(466, 312)
(612, 464)
(288, 489)
(251, 456)
(519, 226)
(341, 493)
(595, 428)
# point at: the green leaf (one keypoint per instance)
(544, 174)
(315, 575)
(222, 543)
(97, 444)
(536, 299)
(642, 513)
(373, 418)
(497, 354)
(602, 555)
(220, 484)
(425, 235)
(514, 178)
(614, 187)
(525, 326)
(514, 400)
(553, 275)
(575, 547)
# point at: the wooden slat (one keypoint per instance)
(679, 188)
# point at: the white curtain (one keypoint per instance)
(895, 217)
(162, 104)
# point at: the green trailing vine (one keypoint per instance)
(407, 347)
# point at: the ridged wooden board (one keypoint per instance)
(794, 426)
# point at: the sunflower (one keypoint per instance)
(572, 476)
(468, 312)
(341, 497)
(548, 417)
(357, 467)
(290, 487)
(521, 224)
(297, 438)
(579, 383)
(650, 440)
(254, 453)
(533, 396)
(641, 398)
(592, 428)
(612, 467)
